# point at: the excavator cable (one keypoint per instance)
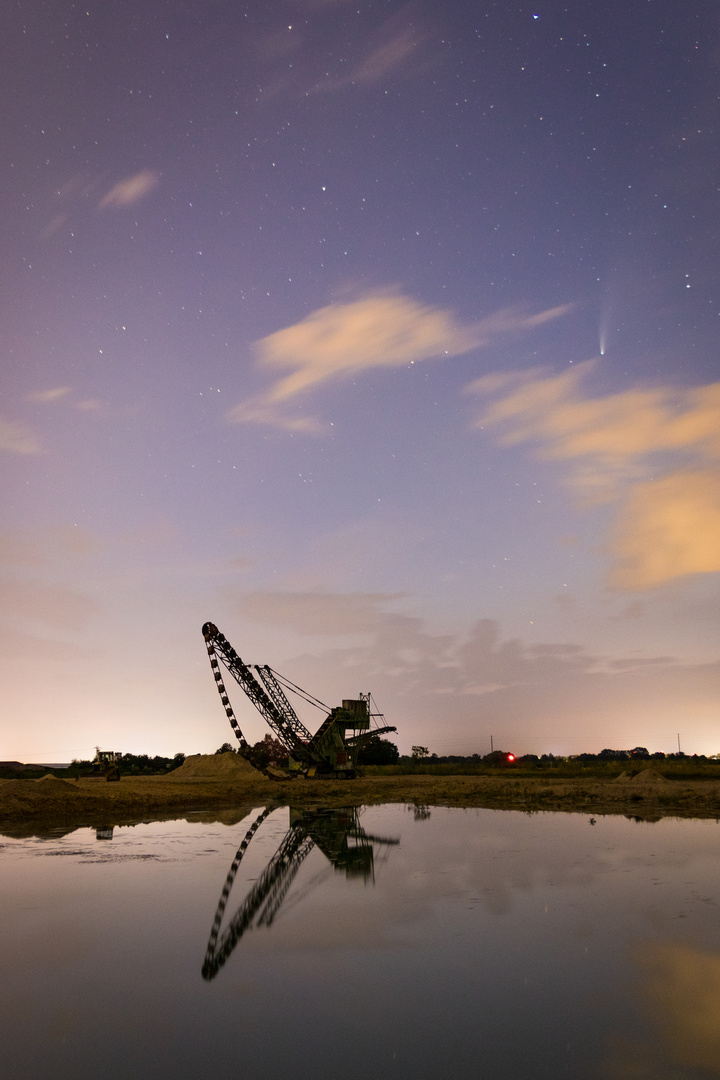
(298, 690)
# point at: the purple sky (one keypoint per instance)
(384, 336)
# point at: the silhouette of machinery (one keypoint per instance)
(337, 833)
(334, 747)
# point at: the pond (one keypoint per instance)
(400, 942)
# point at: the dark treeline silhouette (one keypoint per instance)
(503, 757)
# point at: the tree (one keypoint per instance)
(226, 748)
(419, 752)
(377, 751)
(268, 751)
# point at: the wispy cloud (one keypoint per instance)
(398, 46)
(378, 331)
(63, 393)
(655, 452)
(321, 613)
(399, 43)
(130, 190)
(53, 606)
(387, 56)
(39, 547)
(17, 439)
(53, 394)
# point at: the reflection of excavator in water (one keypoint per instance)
(331, 751)
(337, 833)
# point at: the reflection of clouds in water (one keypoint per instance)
(682, 991)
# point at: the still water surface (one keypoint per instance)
(407, 943)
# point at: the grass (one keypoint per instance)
(689, 768)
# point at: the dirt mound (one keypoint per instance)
(645, 778)
(651, 777)
(53, 783)
(226, 766)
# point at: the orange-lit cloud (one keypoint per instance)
(130, 190)
(655, 452)
(17, 439)
(613, 429)
(667, 528)
(380, 330)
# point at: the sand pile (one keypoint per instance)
(52, 783)
(645, 778)
(226, 766)
(650, 777)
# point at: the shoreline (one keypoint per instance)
(38, 807)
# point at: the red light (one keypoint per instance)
(511, 757)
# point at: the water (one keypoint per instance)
(403, 942)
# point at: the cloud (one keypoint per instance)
(38, 547)
(54, 394)
(17, 644)
(612, 429)
(386, 57)
(17, 439)
(303, 4)
(17, 548)
(320, 612)
(130, 190)
(377, 331)
(668, 528)
(452, 690)
(56, 222)
(654, 452)
(50, 605)
(399, 43)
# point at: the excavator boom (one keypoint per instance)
(288, 733)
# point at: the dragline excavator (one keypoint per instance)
(331, 751)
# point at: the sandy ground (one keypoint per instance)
(216, 786)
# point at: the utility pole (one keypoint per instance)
(491, 745)
(679, 750)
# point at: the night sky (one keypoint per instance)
(385, 336)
